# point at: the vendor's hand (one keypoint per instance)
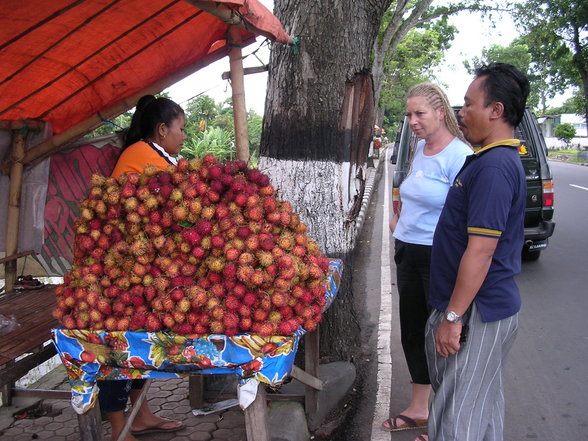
(447, 338)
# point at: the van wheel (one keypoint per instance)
(531, 256)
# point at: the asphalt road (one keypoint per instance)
(546, 382)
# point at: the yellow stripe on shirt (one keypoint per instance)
(484, 232)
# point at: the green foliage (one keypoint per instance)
(414, 61)
(556, 32)
(214, 140)
(517, 54)
(571, 105)
(565, 132)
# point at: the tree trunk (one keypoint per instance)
(317, 127)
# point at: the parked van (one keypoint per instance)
(539, 224)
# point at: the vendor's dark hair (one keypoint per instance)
(504, 83)
(149, 113)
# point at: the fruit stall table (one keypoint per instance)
(258, 361)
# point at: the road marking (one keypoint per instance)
(382, 408)
(577, 186)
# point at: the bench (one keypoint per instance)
(28, 345)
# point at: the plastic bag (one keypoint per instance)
(7, 324)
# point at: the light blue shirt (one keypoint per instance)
(424, 190)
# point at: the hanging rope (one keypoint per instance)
(108, 121)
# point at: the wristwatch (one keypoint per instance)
(452, 317)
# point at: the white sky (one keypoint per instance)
(474, 34)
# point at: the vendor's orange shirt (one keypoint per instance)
(136, 156)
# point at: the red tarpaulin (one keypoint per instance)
(63, 61)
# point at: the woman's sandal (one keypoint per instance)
(422, 437)
(409, 423)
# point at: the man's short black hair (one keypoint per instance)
(504, 83)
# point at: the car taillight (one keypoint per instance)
(395, 200)
(548, 193)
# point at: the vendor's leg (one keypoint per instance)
(113, 397)
(146, 419)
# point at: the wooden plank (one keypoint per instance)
(16, 256)
(286, 397)
(307, 379)
(311, 366)
(196, 391)
(256, 424)
(13, 371)
(46, 394)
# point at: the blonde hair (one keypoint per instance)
(436, 98)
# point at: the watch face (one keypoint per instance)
(452, 317)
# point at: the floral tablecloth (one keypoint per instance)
(114, 355)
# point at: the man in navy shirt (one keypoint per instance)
(475, 257)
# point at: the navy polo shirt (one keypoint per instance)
(487, 198)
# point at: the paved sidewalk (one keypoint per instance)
(168, 398)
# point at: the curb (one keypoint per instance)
(369, 188)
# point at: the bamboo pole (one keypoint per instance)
(12, 216)
(238, 91)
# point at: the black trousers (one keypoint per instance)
(413, 263)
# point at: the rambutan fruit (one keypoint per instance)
(266, 190)
(259, 315)
(168, 321)
(111, 323)
(245, 324)
(279, 298)
(183, 329)
(232, 303)
(240, 199)
(179, 316)
(203, 227)
(230, 271)
(153, 323)
(266, 329)
(216, 327)
(285, 328)
(230, 320)
(244, 310)
(254, 213)
(249, 299)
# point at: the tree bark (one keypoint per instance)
(319, 114)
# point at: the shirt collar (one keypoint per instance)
(505, 142)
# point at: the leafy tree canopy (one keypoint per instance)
(556, 32)
(565, 132)
(414, 61)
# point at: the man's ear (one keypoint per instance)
(497, 110)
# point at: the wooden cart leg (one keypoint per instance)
(196, 391)
(256, 423)
(311, 366)
(90, 424)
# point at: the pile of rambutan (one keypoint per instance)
(203, 247)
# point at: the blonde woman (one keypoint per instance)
(439, 155)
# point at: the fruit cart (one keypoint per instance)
(257, 361)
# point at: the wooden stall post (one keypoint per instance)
(311, 366)
(238, 92)
(12, 217)
(90, 424)
(256, 424)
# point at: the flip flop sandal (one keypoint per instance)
(409, 423)
(158, 429)
(421, 438)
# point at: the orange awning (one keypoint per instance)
(63, 61)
